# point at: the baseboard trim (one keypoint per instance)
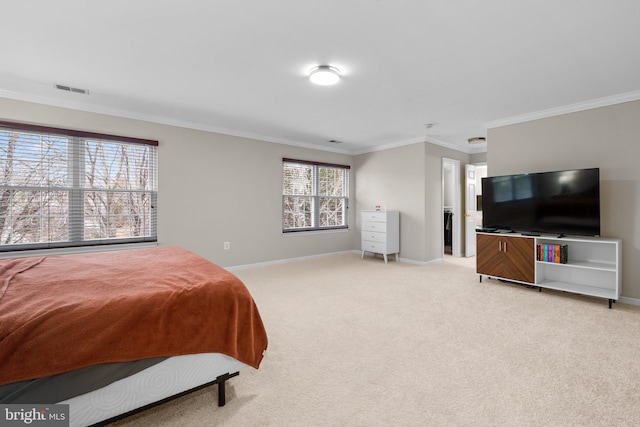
(355, 251)
(630, 301)
(286, 260)
(421, 263)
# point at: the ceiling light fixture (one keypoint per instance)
(477, 140)
(324, 75)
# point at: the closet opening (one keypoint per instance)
(451, 226)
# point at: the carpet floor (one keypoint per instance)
(355, 342)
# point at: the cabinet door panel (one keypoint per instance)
(489, 257)
(520, 259)
(507, 257)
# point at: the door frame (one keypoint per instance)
(470, 209)
(456, 242)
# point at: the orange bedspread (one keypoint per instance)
(59, 313)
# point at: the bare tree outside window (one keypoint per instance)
(118, 202)
(331, 191)
(54, 187)
(298, 192)
(33, 194)
(314, 197)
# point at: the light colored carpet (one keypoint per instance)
(359, 343)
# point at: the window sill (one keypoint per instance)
(308, 232)
(77, 250)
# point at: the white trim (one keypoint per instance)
(286, 261)
(354, 251)
(581, 106)
(127, 114)
(422, 263)
(467, 150)
(566, 109)
(478, 148)
(388, 146)
(456, 235)
(308, 232)
(76, 250)
(630, 301)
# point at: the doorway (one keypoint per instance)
(451, 207)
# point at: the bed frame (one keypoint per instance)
(163, 382)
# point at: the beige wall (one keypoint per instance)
(395, 178)
(408, 179)
(606, 138)
(216, 188)
(212, 188)
(478, 158)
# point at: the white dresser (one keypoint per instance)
(381, 233)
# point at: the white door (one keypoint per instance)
(470, 210)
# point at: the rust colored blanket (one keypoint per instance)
(60, 313)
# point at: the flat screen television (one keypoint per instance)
(561, 202)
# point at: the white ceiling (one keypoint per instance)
(240, 66)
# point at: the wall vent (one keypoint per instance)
(72, 89)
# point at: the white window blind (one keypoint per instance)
(315, 196)
(62, 188)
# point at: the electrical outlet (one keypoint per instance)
(227, 246)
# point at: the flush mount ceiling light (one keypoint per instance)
(477, 140)
(324, 75)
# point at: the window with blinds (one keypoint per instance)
(63, 188)
(315, 196)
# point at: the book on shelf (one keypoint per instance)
(553, 253)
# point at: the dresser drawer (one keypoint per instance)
(374, 216)
(374, 236)
(374, 226)
(377, 247)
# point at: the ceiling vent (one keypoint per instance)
(477, 140)
(72, 89)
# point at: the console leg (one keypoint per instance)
(539, 288)
(610, 303)
(481, 278)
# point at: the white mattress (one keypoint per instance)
(165, 379)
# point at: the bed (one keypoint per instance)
(113, 332)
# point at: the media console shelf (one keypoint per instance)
(592, 267)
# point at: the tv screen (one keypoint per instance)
(561, 202)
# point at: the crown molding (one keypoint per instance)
(571, 108)
(477, 148)
(387, 146)
(128, 114)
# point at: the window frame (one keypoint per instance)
(315, 196)
(75, 188)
